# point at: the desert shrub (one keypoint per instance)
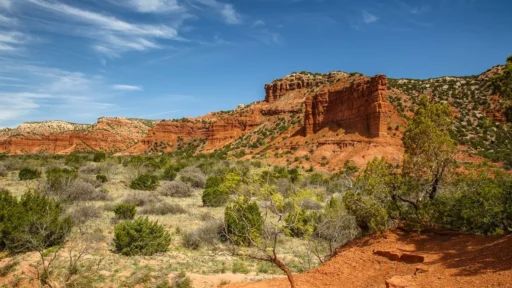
(244, 222)
(209, 233)
(79, 190)
(29, 174)
(215, 197)
(90, 169)
(239, 267)
(140, 237)
(82, 214)
(99, 157)
(141, 199)
(480, 205)
(145, 182)
(57, 178)
(125, 211)
(213, 182)
(176, 189)
(34, 222)
(169, 174)
(301, 223)
(3, 170)
(311, 204)
(193, 176)
(163, 209)
(74, 160)
(102, 178)
(181, 281)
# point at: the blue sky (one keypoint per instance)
(77, 60)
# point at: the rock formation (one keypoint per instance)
(278, 88)
(361, 107)
(57, 137)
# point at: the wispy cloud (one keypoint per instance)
(6, 4)
(151, 6)
(369, 17)
(258, 23)
(12, 40)
(228, 12)
(121, 87)
(50, 90)
(113, 36)
(7, 21)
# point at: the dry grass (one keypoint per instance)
(185, 218)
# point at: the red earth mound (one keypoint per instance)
(449, 261)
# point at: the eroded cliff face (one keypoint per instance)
(359, 106)
(57, 137)
(278, 88)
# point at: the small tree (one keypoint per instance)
(125, 211)
(99, 157)
(146, 182)
(140, 237)
(244, 222)
(429, 150)
(29, 174)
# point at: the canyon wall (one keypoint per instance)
(278, 88)
(360, 107)
(108, 134)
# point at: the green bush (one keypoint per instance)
(301, 223)
(213, 182)
(125, 211)
(140, 237)
(244, 222)
(146, 182)
(56, 177)
(480, 205)
(29, 174)
(102, 178)
(99, 157)
(74, 160)
(215, 197)
(169, 174)
(31, 223)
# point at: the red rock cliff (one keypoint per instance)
(358, 107)
(278, 88)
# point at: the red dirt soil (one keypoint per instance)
(450, 261)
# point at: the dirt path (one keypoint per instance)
(449, 261)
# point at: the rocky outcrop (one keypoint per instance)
(57, 137)
(357, 107)
(278, 88)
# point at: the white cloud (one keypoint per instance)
(8, 21)
(230, 15)
(5, 4)
(114, 36)
(228, 12)
(258, 23)
(420, 10)
(12, 41)
(151, 6)
(121, 87)
(52, 91)
(369, 17)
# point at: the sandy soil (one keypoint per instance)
(450, 261)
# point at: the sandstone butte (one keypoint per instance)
(322, 119)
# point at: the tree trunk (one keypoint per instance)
(285, 270)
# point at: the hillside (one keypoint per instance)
(59, 137)
(306, 120)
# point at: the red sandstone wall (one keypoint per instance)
(360, 108)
